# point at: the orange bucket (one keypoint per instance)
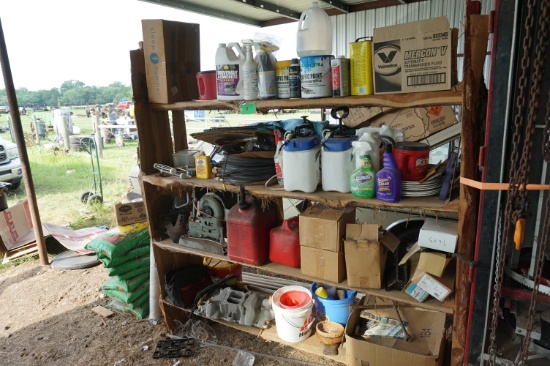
(220, 269)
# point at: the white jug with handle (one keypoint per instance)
(314, 36)
(229, 65)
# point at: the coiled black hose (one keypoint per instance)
(240, 170)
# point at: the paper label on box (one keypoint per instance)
(433, 287)
(417, 292)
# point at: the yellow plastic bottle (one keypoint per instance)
(203, 166)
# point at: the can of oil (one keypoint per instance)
(340, 76)
(361, 66)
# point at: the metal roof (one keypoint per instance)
(265, 13)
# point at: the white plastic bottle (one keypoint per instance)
(228, 71)
(314, 37)
(366, 145)
(250, 75)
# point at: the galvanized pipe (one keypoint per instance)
(20, 140)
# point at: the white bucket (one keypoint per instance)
(301, 170)
(293, 325)
(336, 168)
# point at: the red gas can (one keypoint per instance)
(412, 159)
(248, 227)
(284, 243)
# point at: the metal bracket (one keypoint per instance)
(468, 262)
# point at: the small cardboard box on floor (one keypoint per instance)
(322, 232)
(365, 251)
(426, 327)
(172, 60)
(417, 123)
(414, 57)
(130, 213)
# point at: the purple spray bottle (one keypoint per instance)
(388, 179)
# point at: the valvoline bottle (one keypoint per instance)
(388, 179)
(248, 227)
(284, 243)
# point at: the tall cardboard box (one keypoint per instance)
(325, 228)
(365, 251)
(414, 57)
(172, 60)
(426, 327)
(323, 264)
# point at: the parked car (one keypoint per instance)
(10, 164)
(4, 109)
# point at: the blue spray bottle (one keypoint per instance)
(388, 179)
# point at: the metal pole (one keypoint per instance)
(98, 139)
(20, 140)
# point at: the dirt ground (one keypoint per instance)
(46, 319)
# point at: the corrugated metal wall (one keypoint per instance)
(348, 27)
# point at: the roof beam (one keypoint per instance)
(199, 9)
(344, 8)
(264, 5)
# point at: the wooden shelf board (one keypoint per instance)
(431, 304)
(310, 345)
(332, 199)
(447, 97)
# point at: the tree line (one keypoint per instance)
(70, 93)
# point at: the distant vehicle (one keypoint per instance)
(10, 165)
(124, 104)
(4, 109)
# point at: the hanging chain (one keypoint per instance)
(515, 177)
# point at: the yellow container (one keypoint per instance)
(203, 166)
(283, 85)
(361, 66)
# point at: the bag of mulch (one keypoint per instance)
(126, 257)
(119, 239)
(139, 312)
(145, 242)
(139, 301)
(130, 296)
(125, 285)
(131, 274)
(135, 263)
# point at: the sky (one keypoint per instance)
(52, 41)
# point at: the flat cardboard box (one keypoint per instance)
(430, 262)
(16, 228)
(323, 264)
(130, 213)
(421, 285)
(172, 60)
(365, 253)
(417, 123)
(325, 228)
(414, 57)
(426, 327)
(439, 235)
(359, 117)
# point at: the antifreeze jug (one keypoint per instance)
(229, 66)
(337, 164)
(284, 243)
(248, 227)
(301, 167)
(314, 37)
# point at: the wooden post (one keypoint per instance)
(21, 148)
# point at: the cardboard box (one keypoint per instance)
(16, 227)
(172, 60)
(414, 57)
(430, 262)
(130, 213)
(365, 253)
(417, 123)
(439, 235)
(421, 285)
(359, 117)
(323, 264)
(325, 228)
(426, 327)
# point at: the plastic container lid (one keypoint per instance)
(294, 299)
(412, 146)
(302, 143)
(339, 143)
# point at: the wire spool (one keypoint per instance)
(239, 170)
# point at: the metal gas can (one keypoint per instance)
(284, 243)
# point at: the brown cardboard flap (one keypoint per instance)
(324, 213)
(414, 249)
(418, 27)
(363, 232)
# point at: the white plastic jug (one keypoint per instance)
(229, 67)
(314, 36)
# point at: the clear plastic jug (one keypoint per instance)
(314, 36)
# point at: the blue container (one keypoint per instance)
(335, 310)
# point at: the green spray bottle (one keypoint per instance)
(362, 180)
